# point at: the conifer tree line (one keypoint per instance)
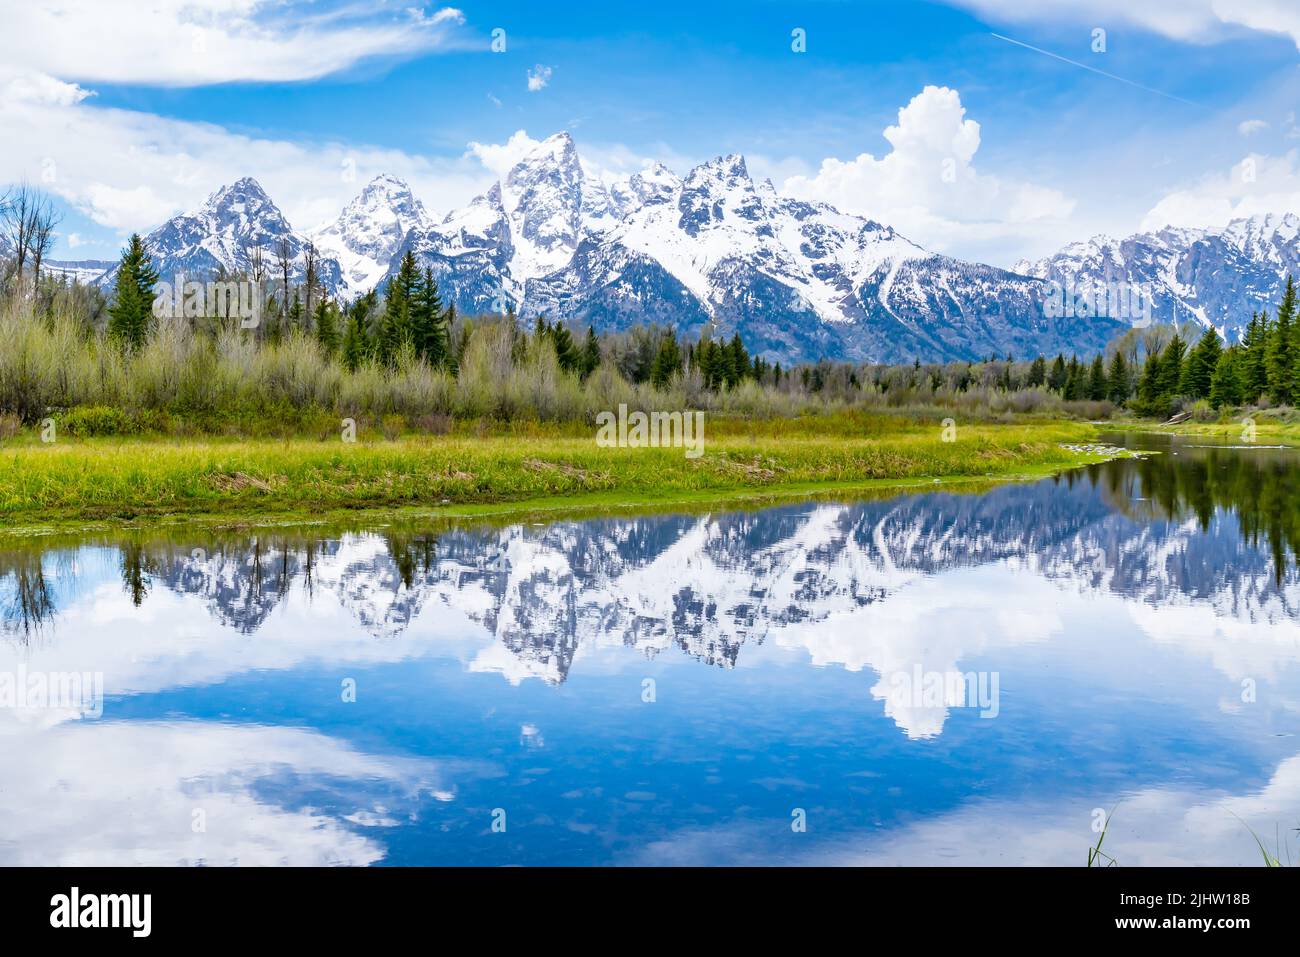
(411, 321)
(1152, 372)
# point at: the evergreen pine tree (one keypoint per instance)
(1057, 377)
(1074, 381)
(428, 330)
(1149, 387)
(737, 361)
(667, 361)
(355, 341)
(590, 354)
(131, 315)
(1253, 363)
(395, 329)
(1280, 357)
(1117, 382)
(566, 350)
(1171, 370)
(1037, 372)
(1226, 385)
(1097, 379)
(327, 330)
(1201, 363)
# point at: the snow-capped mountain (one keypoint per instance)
(369, 232)
(1209, 276)
(799, 281)
(82, 270)
(222, 235)
(526, 226)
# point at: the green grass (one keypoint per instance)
(1279, 426)
(119, 480)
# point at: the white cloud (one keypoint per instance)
(1257, 184)
(103, 817)
(1270, 16)
(1251, 127)
(538, 77)
(1200, 21)
(181, 43)
(43, 90)
(130, 171)
(927, 186)
(498, 158)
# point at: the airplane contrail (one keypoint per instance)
(1093, 69)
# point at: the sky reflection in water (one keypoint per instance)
(1126, 611)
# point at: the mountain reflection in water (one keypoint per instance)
(1128, 610)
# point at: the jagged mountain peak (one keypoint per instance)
(1216, 276)
(245, 192)
(221, 235)
(554, 155)
(1281, 228)
(798, 280)
(370, 230)
(732, 165)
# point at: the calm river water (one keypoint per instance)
(923, 679)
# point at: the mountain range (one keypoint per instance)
(799, 281)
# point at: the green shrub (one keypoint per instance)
(95, 420)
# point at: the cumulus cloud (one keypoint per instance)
(1257, 184)
(180, 43)
(1251, 127)
(1200, 21)
(498, 158)
(538, 77)
(927, 186)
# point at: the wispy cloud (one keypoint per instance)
(129, 170)
(1200, 21)
(181, 43)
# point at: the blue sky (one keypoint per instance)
(315, 98)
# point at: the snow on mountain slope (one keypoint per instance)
(527, 226)
(369, 231)
(798, 281)
(1209, 276)
(222, 234)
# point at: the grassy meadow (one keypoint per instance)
(125, 479)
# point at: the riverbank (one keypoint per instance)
(122, 481)
(1244, 428)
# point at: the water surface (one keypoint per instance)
(687, 688)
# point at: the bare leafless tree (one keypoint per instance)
(27, 221)
(284, 256)
(311, 265)
(256, 265)
(17, 223)
(44, 219)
